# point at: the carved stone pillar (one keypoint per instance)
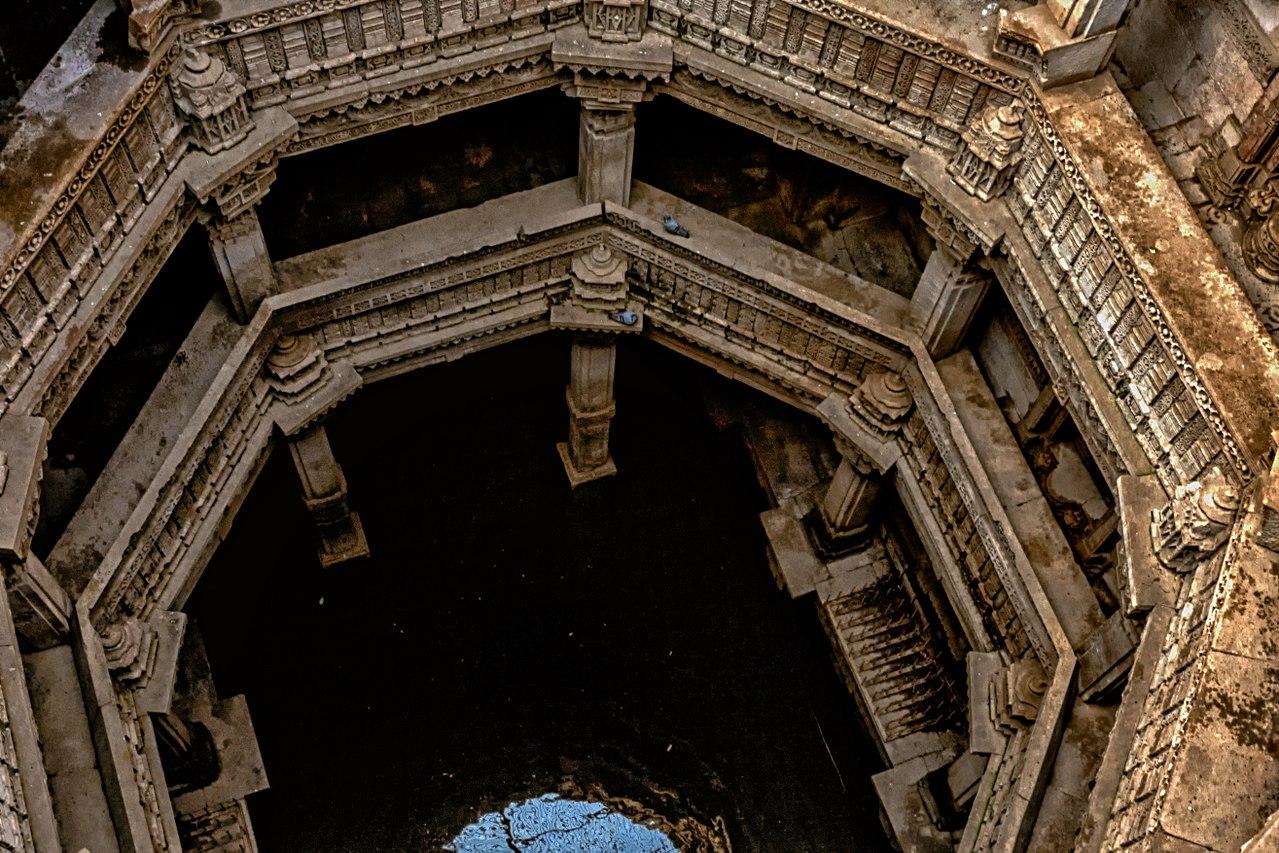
(590, 405)
(606, 145)
(866, 427)
(324, 490)
(239, 248)
(946, 299)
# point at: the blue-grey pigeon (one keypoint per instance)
(671, 225)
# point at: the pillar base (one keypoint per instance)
(578, 476)
(349, 544)
(830, 544)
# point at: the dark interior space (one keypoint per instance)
(854, 223)
(90, 430)
(339, 193)
(510, 637)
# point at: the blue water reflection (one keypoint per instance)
(550, 824)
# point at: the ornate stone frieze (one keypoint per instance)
(1195, 522)
(212, 99)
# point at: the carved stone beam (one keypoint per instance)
(41, 608)
(951, 289)
(866, 426)
(324, 490)
(591, 408)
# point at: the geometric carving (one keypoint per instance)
(1195, 523)
(615, 20)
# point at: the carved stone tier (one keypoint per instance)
(324, 490)
(590, 405)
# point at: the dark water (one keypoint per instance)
(511, 637)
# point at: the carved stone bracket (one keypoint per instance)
(1195, 523)
(212, 99)
(989, 151)
(143, 657)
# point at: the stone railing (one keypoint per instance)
(59, 255)
(910, 84)
(301, 51)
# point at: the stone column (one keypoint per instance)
(241, 254)
(606, 145)
(591, 408)
(841, 518)
(324, 490)
(865, 426)
(1066, 40)
(946, 299)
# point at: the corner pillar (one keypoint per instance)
(606, 147)
(591, 408)
(239, 248)
(1065, 40)
(324, 490)
(948, 295)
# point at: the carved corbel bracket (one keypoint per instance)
(305, 384)
(142, 656)
(597, 299)
(867, 424)
(989, 151)
(612, 75)
(1195, 522)
(212, 100)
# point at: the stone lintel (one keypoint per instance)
(791, 557)
(41, 607)
(983, 736)
(578, 318)
(650, 58)
(242, 771)
(1145, 583)
(23, 445)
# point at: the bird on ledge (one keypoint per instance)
(673, 226)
